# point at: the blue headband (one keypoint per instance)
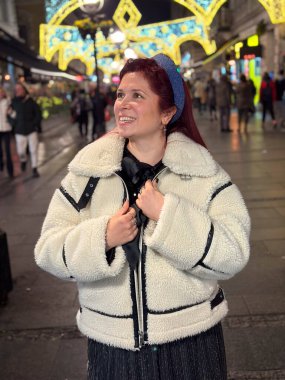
(176, 83)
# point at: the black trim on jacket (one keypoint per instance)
(135, 312)
(106, 314)
(216, 192)
(144, 299)
(219, 297)
(211, 232)
(64, 259)
(86, 195)
(208, 244)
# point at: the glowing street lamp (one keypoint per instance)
(130, 53)
(91, 25)
(118, 38)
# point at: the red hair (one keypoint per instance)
(161, 86)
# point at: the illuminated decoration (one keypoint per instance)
(166, 37)
(253, 40)
(127, 15)
(87, 24)
(146, 40)
(237, 48)
(53, 6)
(65, 42)
(221, 50)
(275, 10)
(207, 9)
(204, 9)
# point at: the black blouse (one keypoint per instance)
(135, 173)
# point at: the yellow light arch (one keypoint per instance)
(275, 10)
(146, 40)
(206, 15)
(64, 11)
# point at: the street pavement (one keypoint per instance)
(38, 336)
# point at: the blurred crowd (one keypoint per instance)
(22, 112)
(98, 104)
(219, 97)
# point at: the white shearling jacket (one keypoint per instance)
(202, 236)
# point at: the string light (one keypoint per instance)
(145, 40)
(203, 9)
(275, 10)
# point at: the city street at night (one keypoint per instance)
(173, 267)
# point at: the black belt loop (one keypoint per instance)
(218, 299)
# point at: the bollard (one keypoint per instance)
(6, 284)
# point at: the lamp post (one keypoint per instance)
(90, 27)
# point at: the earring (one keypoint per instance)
(164, 128)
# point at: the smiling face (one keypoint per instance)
(137, 111)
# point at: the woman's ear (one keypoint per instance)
(168, 114)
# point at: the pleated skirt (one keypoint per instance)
(200, 357)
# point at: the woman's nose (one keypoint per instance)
(125, 102)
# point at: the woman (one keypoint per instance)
(5, 135)
(163, 225)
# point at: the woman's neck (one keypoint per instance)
(149, 153)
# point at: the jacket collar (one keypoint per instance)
(182, 156)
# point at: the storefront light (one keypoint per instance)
(7, 77)
(253, 40)
(238, 46)
(249, 56)
(106, 80)
(93, 78)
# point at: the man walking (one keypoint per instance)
(24, 115)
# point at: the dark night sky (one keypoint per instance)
(152, 10)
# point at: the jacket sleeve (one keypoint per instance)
(71, 248)
(212, 244)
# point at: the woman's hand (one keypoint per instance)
(122, 227)
(150, 200)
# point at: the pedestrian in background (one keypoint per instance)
(81, 105)
(99, 103)
(267, 98)
(243, 102)
(5, 135)
(200, 94)
(25, 117)
(223, 98)
(253, 93)
(165, 223)
(211, 98)
(280, 97)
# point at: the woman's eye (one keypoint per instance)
(137, 95)
(120, 95)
